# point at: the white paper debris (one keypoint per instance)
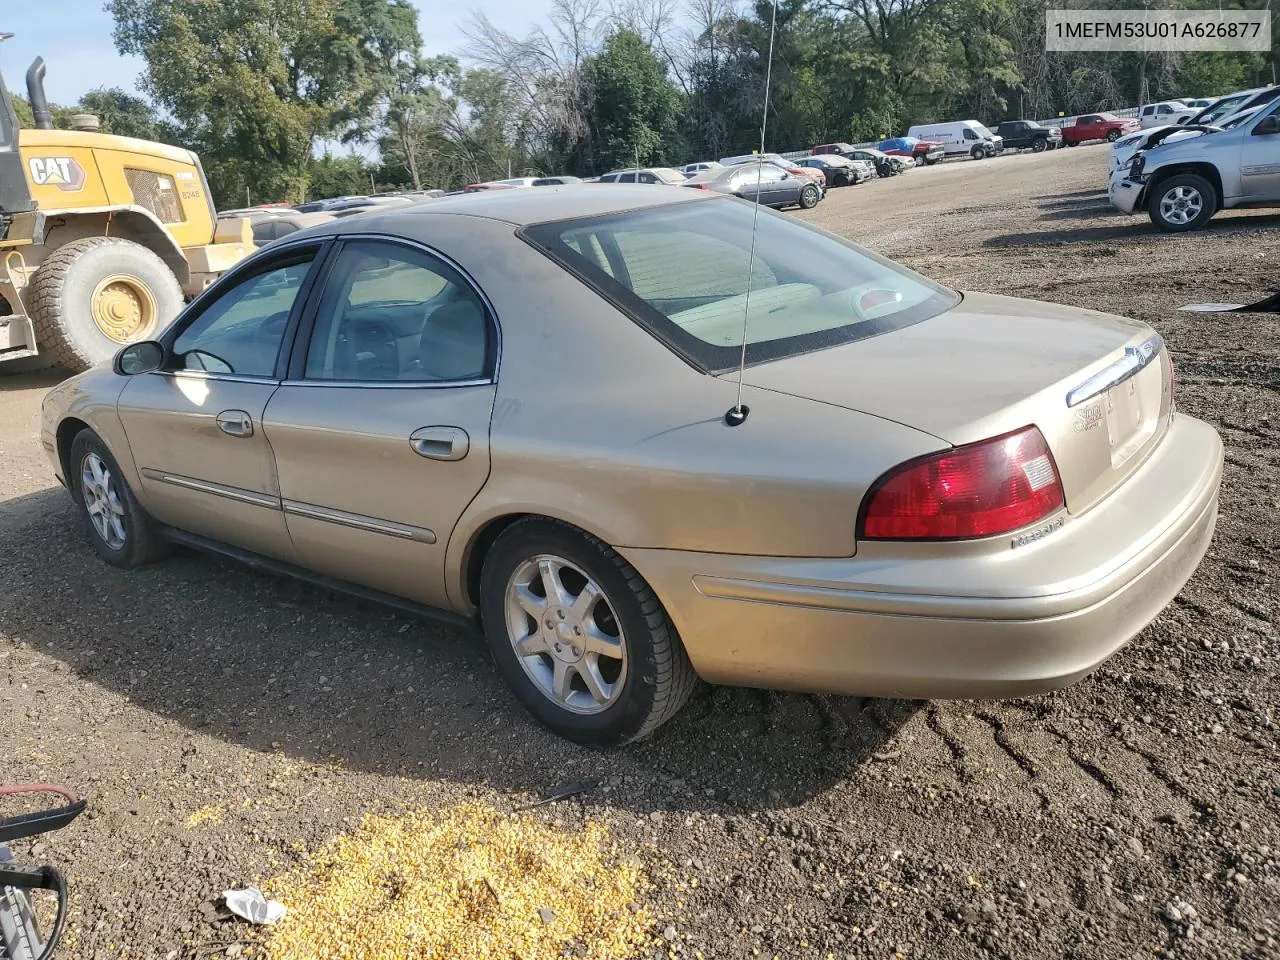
(253, 906)
(1211, 307)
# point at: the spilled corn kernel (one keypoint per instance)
(470, 881)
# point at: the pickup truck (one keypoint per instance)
(1182, 184)
(1029, 135)
(1097, 126)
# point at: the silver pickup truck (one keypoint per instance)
(1184, 183)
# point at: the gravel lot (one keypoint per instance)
(222, 722)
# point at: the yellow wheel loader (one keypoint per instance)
(102, 238)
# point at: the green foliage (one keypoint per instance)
(263, 89)
(252, 83)
(634, 107)
(332, 176)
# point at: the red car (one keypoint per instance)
(1097, 126)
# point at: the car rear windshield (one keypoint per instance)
(682, 272)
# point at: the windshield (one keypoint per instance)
(681, 271)
(1223, 108)
(982, 131)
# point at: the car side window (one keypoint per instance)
(1164, 108)
(647, 178)
(627, 178)
(241, 332)
(969, 134)
(391, 313)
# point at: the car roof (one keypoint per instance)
(524, 207)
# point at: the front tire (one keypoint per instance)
(93, 295)
(977, 153)
(1039, 145)
(809, 197)
(122, 533)
(1182, 203)
(579, 636)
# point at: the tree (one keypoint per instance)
(252, 83)
(127, 116)
(634, 106)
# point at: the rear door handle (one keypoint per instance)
(235, 423)
(440, 443)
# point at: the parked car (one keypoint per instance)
(1199, 102)
(920, 152)
(885, 165)
(761, 181)
(1165, 112)
(1097, 126)
(911, 529)
(1233, 103)
(1183, 184)
(699, 167)
(1029, 135)
(960, 138)
(267, 229)
(1124, 149)
(646, 175)
(838, 171)
(556, 181)
(487, 186)
(349, 208)
(844, 149)
(748, 157)
(315, 206)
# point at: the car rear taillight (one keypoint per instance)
(978, 490)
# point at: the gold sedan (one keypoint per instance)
(587, 420)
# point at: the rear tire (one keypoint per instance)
(92, 296)
(646, 683)
(129, 537)
(1182, 203)
(809, 197)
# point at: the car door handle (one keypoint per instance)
(235, 423)
(440, 443)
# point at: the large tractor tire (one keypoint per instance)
(94, 295)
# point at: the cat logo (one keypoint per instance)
(65, 173)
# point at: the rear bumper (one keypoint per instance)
(968, 623)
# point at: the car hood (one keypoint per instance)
(949, 374)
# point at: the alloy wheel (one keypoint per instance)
(102, 501)
(1181, 205)
(566, 635)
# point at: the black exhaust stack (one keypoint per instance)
(35, 93)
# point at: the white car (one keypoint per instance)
(691, 168)
(1165, 113)
(1126, 148)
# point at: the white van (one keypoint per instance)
(960, 138)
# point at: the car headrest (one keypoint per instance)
(453, 342)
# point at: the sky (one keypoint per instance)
(76, 42)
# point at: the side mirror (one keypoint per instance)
(1268, 127)
(136, 358)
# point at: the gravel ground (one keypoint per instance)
(221, 722)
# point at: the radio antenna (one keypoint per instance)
(737, 414)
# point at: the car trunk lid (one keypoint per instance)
(1098, 386)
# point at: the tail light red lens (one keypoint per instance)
(978, 490)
